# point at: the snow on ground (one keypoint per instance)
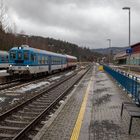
(69, 73)
(55, 78)
(32, 86)
(3, 73)
(2, 99)
(14, 100)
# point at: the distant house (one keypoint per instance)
(135, 56)
(121, 58)
(129, 59)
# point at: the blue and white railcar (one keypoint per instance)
(27, 60)
(4, 64)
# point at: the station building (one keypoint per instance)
(123, 58)
(135, 56)
(120, 58)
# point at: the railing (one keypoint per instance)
(128, 82)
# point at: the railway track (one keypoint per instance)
(20, 82)
(16, 123)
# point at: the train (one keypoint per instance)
(25, 60)
(4, 60)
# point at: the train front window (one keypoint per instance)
(26, 55)
(13, 55)
(19, 55)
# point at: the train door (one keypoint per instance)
(49, 63)
(19, 59)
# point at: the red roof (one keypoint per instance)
(134, 45)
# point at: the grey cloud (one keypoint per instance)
(85, 22)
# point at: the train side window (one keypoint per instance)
(40, 60)
(35, 58)
(32, 57)
(43, 59)
(7, 57)
(13, 55)
(2, 58)
(46, 60)
(26, 55)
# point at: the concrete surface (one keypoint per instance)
(102, 119)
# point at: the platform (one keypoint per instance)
(92, 112)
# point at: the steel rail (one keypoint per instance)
(22, 133)
(9, 112)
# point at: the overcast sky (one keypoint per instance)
(84, 22)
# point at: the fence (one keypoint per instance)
(128, 82)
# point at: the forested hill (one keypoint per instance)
(114, 50)
(8, 40)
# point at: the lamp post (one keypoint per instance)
(129, 35)
(109, 40)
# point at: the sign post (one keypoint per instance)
(129, 51)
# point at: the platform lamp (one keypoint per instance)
(128, 8)
(109, 40)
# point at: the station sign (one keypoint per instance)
(129, 50)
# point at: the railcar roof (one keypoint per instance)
(25, 47)
(72, 57)
(4, 53)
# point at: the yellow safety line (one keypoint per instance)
(77, 127)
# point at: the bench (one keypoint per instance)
(133, 110)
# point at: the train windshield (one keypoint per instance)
(26, 55)
(13, 55)
(19, 55)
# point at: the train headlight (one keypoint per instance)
(27, 66)
(10, 66)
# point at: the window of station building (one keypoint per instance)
(13, 55)
(26, 55)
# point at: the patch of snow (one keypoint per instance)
(32, 86)
(14, 100)
(55, 78)
(130, 95)
(61, 102)
(3, 71)
(51, 115)
(2, 99)
(69, 73)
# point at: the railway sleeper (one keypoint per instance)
(14, 123)
(23, 117)
(40, 103)
(10, 128)
(18, 122)
(34, 106)
(29, 112)
(26, 114)
(34, 109)
(4, 135)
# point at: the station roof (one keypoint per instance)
(136, 44)
(121, 55)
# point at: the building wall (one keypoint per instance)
(136, 49)
(135, 56)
